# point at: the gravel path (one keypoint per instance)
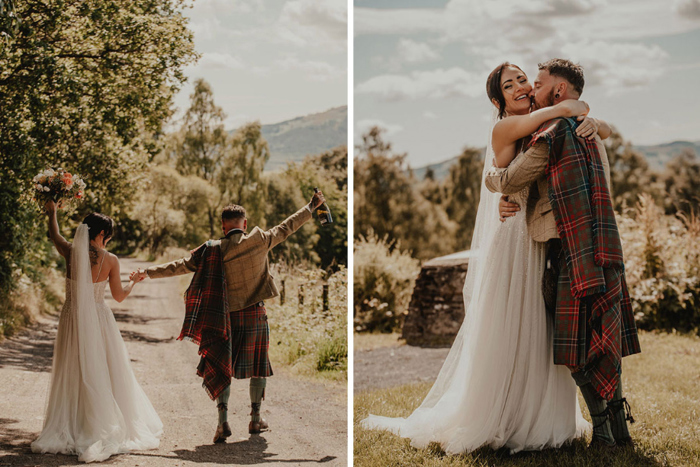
(393, 366)
(308, 419)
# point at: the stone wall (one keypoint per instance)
(436, 310)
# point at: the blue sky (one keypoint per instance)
(421, 66)
(270, 60)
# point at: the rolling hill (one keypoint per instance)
(291, 140)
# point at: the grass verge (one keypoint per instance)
(662, 385)
(29, 299)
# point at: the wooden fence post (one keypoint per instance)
(283, 291)
(325, 297)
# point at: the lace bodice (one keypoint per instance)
(98, 290)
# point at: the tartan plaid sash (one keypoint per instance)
(594, 323)
(207, 322)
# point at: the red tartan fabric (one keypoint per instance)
(207, 321)
(594, 323)
(250, 341)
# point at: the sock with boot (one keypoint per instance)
(222, 405)
(620, 410)
(257, 394)
(598, 409)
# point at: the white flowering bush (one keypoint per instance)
(662, 265)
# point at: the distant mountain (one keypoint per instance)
(291, 140)
(657, 156)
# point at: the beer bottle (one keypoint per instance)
(324, 213)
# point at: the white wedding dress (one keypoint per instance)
(95, 408)
(499, 386)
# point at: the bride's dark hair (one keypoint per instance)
(97, 223)
(493, 87)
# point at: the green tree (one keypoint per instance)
(629, 172)
(170, 210)
(84, 84)
(463, 187)
(682, 183)
(387, 202)
(232, 164)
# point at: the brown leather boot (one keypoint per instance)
(222, 432)
(257, 427)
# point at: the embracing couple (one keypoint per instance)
(96, 407)
(546, 301)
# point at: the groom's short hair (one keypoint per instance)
(570, 71)
(232, 212)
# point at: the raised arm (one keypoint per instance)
(279, 233)
(119, 293)
(61, 244)
(510, 129)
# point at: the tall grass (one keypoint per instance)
(303, 336)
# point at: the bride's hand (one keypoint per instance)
(588, 127)
(50, 207)
(574, 108)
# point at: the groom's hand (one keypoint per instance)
(317, 200)
(137, 276)
(507, 209)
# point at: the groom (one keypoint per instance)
(225, 313)
(570, 209)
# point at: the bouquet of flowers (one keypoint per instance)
(58, 186)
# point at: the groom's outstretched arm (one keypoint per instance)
(173, 268)
(521, 173)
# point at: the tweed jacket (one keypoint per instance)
(246, 266)
(528, 169)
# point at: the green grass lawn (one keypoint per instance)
(662, 385)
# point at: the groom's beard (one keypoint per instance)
(548, 101)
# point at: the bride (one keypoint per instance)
(95, 408)
(499, 386)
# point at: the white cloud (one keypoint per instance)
(435, 84)
(397, 21)
(688, 8)
(411, 51)
(216, 60)
(363, 126)
(618, 67)
(315, 70)
(430, 115)
(314, 23)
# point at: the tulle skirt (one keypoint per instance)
(95, 421)
(499, 386)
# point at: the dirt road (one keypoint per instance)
(386, 367)
(308, 420)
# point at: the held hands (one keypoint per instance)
(138, 275)
(317, 200)
(507, 209)
(588, 127)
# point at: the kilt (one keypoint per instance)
(250, 341)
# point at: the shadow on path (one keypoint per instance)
(31, 350)
(251, 451)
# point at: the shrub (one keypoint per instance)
(383, 282)
(662, 264)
